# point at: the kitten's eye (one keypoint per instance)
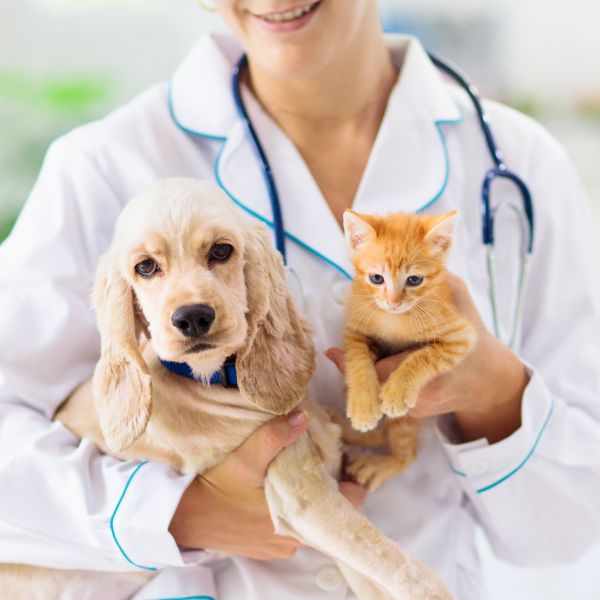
(413, 280)
(147, 268)
(376, 279)
(221, 251)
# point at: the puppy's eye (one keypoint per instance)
(376, 279)
(147, 268)
(414, 280)
(221, 251)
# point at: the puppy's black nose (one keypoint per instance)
(193, 320)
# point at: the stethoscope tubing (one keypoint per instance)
(488, 211)
(500, 170)
(259, 152)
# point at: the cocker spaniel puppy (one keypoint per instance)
(190, 279)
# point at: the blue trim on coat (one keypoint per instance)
(438, 125)
(522, 463)
(296, 240)
(112, 520)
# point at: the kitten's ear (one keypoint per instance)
(441, 230)
(357, 230)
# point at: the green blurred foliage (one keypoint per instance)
(63, 95)
(34, 110)
(6, 224)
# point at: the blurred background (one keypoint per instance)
(64, 62)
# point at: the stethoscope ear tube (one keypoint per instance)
(261, 157)
(499, 170)
(514, 333)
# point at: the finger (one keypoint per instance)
(278, 547)
(336, 356)
(252, 459)
(356, 493)
(274, 553)
(386, 366)
(462, 299)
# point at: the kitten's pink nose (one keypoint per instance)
(394, 305)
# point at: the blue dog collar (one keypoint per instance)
(225, 376)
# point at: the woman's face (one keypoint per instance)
(298, 38)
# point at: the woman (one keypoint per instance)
(347, 118)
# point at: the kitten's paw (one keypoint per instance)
(372, 471)
(397, 398)
(363, 407)
(363, 417)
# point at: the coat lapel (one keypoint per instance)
(408, 168)
(307, 218)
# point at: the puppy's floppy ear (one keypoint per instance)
(278, 358)
(122, 386)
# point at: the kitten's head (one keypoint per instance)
(399, 258)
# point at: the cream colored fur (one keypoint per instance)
(141, 410)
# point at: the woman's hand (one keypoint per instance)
(225, 509)
(483, 392)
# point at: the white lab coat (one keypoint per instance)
(536, 494)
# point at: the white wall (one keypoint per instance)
(551, 46)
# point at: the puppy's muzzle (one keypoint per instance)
(193, 320)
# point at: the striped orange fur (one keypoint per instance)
(400, 299)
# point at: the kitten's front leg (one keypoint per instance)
(363, 408)
(400, 392)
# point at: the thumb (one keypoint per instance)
(336, 356)
(251, 460)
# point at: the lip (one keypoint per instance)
(289, 26)
(201, 347)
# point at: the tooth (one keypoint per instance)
(290, 15)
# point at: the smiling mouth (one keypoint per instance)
(290, 15)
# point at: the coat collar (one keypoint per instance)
(200, 95)
(408, 168)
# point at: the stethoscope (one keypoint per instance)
(488, 212)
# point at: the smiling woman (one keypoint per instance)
(347, 118)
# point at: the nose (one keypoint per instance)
(193, 320)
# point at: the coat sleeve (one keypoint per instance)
(63, 503)
(537, 492)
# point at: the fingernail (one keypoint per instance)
(297, 418)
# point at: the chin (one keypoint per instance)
(295, 59)
(206, 362)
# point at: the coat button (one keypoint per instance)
(340, 290)
(329, 578)
(479, 468)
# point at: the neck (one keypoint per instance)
(352, 87)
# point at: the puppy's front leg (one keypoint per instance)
(304, 499)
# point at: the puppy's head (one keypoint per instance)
(202, 282)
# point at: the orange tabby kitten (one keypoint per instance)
(400, 299)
